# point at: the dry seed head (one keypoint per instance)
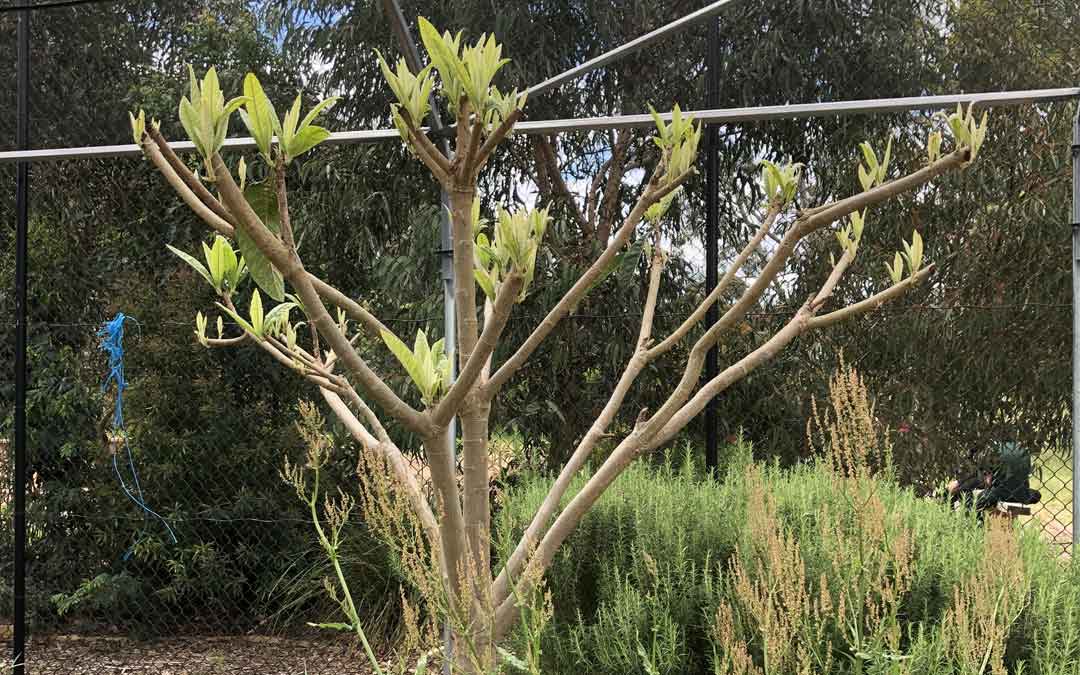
(848, 432)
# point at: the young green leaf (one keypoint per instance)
(306, 139)
(256, 312)
(200, 329)
(865, 178)
(138, 126)
(403, 354)
(259, 115)
(870, 156)
(194, 263)
(288, 125)
(484, 280)
(444, 51)
(884, 168)
(322, 105)
(896, 271)
(240, 321)
(933, 146)
(278, 317)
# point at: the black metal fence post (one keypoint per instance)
(712, 208)
(22, 210)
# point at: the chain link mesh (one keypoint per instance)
(108, 591)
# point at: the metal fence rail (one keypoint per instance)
(636, 121)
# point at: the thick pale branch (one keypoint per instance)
(493, 140)
(181, 188)
(542, 518)
(873, 302)
(332, 391)
(803, 322)
(824, 215)
(352, 423)
(730, 275)
(427, 152)
(639, 441)
(316, 376)
(674, 415)
(283, 358)
(226, 342)
(508, 294)
(469, 166)
(293, 270)
(468, 331)
(307, 360)
(653, 193)
(352, 309)
(188, 177)
(369, 415)
(730, 375)
(451, 520)
(507, 614)
(253, 226)
(837, 273)
(804, 225)
(648, 313)
(398, 464)
(283, 205)
(367, 378)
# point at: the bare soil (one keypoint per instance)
(233, 655)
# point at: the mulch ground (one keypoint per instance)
(239, 655)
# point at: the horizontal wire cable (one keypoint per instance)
(635, 316)
(56, 4)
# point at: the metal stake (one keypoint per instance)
(446, 252)
(712, 210)
(22, 211)
(1076, 324)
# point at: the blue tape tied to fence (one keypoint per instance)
(112, 342)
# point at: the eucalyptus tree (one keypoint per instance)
(495, 263)
(998, 316)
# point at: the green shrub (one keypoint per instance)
(638, 587)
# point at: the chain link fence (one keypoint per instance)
(108, 588)
(110, 591)
(1053, 478)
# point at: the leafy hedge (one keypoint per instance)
(648, 584)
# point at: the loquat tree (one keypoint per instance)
(495, 263)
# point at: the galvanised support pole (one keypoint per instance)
(22, 211)
(712, 211)
(1076, 325)
(446, 251)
